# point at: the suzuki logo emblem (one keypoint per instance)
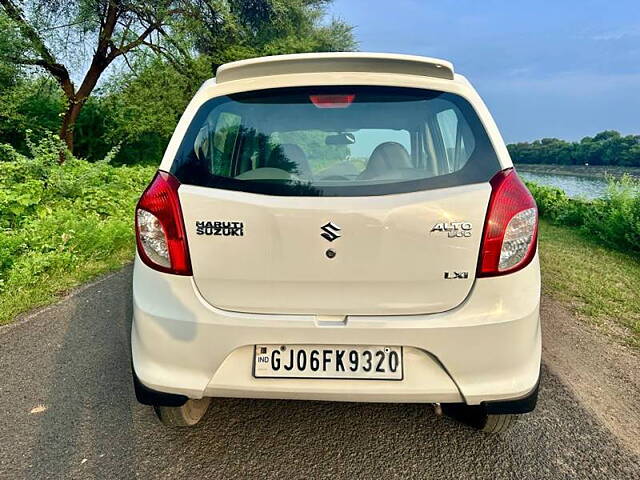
(330, 231)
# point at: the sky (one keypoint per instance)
(565, 69)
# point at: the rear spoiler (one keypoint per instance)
(335, 62)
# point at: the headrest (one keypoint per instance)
(386, 157)
(290, 157)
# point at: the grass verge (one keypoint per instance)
(55, 283)
(61, 225)
(602, 285)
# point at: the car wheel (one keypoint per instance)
(476, 416)
(185, 415)
(499, 423)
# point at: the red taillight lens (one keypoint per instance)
(511, 227)
(333, 101)
(160, 232)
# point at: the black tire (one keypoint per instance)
(476, 416)
(186, 415)
(499, 423)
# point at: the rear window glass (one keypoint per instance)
(335, 141)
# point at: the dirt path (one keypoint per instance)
(604, 375)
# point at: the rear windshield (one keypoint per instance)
(335, 141)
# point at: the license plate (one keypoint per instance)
(328, 361)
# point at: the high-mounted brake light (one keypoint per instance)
(511, 227)
(333, 100)
(160, 232)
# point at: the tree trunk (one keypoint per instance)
(68, 124)
(78, 99)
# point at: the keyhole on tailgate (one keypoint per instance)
(330, 253)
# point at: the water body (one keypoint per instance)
(586, 187)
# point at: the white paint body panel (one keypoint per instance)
(388, 262)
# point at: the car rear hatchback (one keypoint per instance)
(337, 227)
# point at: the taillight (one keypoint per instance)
(160, 232)
(511, 227)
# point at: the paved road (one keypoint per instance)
(71, 363)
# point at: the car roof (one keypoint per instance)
(336, 62)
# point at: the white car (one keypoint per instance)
(340, 226)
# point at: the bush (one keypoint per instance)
(61, 224)
(613, 219)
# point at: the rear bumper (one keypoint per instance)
(485, 350)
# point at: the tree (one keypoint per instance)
(605, 148)
(113, 28)
(253, 28)
(143, 106)
(64, 36)
(29, 103)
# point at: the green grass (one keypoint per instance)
(61, 225)
(52, 285)
(601, 285)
